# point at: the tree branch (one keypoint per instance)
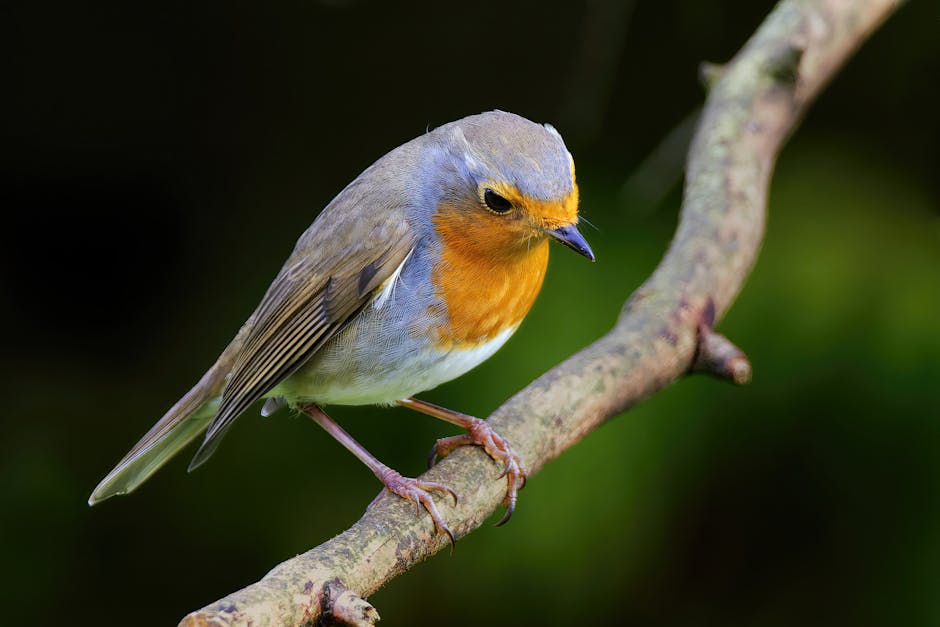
(664, 328)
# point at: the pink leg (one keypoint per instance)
(480, 433)
(410, 489)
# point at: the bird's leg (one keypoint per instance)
(410, 489)
(479, 432)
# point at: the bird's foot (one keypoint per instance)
(418, 492)
(480, 433)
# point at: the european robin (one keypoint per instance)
(419, 270)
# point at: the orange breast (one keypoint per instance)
(487, 277)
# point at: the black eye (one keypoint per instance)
(495, 202)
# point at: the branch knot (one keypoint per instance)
(717, 355)
(339, 606)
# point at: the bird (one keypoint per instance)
(419, 270)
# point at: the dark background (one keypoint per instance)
(158, 162)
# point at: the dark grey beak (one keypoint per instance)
(572, 238)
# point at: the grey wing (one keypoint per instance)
(310, 301)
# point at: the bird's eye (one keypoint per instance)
(495, 202)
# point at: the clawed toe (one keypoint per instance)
(419, 492)
(437, 487)
(479, 432)
(445, 446)
(510, 503)
(516, 476)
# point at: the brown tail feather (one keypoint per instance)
(185, 421)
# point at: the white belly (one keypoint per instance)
(424, 372)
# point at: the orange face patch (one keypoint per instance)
(492, 266)
(542, 214)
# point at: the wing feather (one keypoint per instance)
(308, 303)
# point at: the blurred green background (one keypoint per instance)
(158, 162)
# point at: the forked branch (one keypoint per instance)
(664, 330)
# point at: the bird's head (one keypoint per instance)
(508, 187)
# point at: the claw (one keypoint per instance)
(481, 434)
(419, 492)
(510, 508)
(522, 472)
(452, 494)
(453, 540)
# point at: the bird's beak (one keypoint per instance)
(572, 238)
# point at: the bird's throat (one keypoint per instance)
(486, 289)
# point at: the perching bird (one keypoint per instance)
(419, 270)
